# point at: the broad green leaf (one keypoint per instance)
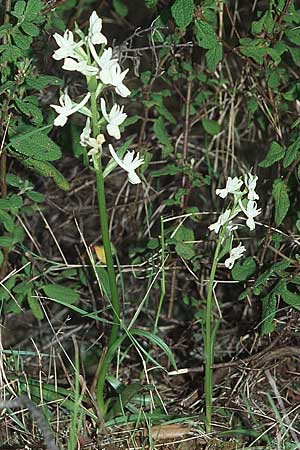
(243, 270)
(214, 56)
(269, 304)
(162, 135)
(282, 201)
(184, 250)
(211, 126)
(275, 153)
(253, 50)
(183, 11)
(63, 294)
(35, 307)
(37, 145)
(184, 234)
(289, 297)
(21, 40)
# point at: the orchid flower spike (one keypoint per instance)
(67, 46)
(233, 186)
(251, 212)
(235, 254)
(67, 108)
(250, 182)
(95, 36)
(223, 218)
(81, 66)
(129, 164)
(115, 118)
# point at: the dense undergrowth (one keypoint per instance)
(150, 224)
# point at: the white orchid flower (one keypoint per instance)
(115, 118)
(233, 186)
(235, 254)
(95, 144)
(66, 108)
(81, 66)
(105, 63)
(251, 212)
(117, 77)
(223, 218)
(95, 36)
(86, 133)
(129, 164)
(66, 44)
(250, 182)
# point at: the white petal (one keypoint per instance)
(60, 120)
(122, 90)
(134, 178)
(113, 130)
(103, 109)
(116, 158)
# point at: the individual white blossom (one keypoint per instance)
(251, 212)
(95, 144)
(67, 46)
(235, 254)
(86, 133)
(233, 186)
(105, 63)
(250, 182)
(223, 218)
(117, 77)
(115, 118)
(95, 36)
(129, 163)
(66, 108)
(80, 66)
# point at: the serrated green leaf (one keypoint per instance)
(30, 110)
(205, 35)
(269, 304)
(10, 53)
(14, 201)
(46, 169)
(63, 294)
(289, 297)
(211, 126)
(19, 8)
(30, 29)
(33, 8)
(37, 145)
(21, 40)
(7, 220)
(243, 270)
(276, 153)
(255, 52)
(38, 82)
(282, 201)
(183, 11)
(162, 135)
(291, 153)
(6, 241)
(213, 57)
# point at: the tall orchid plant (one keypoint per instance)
(87, 54)
(243, 198)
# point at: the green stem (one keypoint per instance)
(107, 249)
(208, 342)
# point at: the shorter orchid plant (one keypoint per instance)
(86, 54)
(243, 200)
